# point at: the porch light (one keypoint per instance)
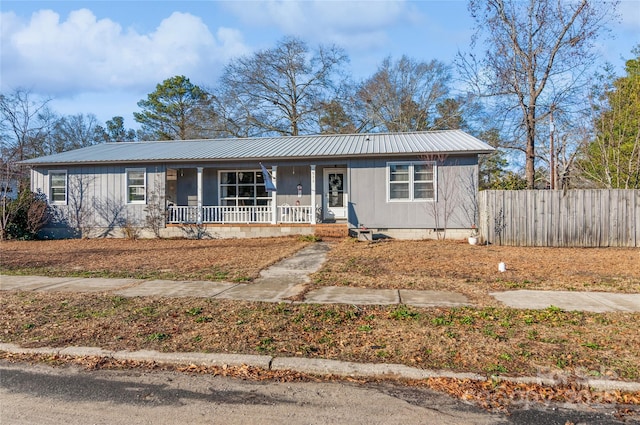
(299, 190)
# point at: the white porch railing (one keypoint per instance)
(250, 214)
(294, 214)
(179, 214)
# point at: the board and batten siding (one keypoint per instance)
(370, 207)
(573, 218)
(103, 194)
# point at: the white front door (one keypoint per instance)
(335, 199)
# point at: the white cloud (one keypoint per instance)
(82, 53)
(351, 24)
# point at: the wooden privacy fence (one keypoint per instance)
(574, 218)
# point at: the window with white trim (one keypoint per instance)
(58, 187)
(242, 188)
(411, 181)
(136, 185)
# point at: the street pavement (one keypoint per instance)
(286, 282)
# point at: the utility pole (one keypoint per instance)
(552, 162)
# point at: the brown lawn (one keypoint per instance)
(473, 270)
(219, 259)
(443, 265)
(486, 339)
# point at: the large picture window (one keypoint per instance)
(136, 185)
(58, 187)
(243, 188)
(411, 181)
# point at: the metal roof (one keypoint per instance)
(269, 148)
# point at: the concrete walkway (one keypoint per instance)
(287, 280)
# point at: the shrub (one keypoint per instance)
(23, 217)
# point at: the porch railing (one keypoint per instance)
(294, 214)
(249, 214)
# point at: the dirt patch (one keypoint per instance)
(473, 270)
(220, 259)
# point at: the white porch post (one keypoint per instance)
(313, 194)
(199, 195)
(274, 205)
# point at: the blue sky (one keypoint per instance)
(102, 57)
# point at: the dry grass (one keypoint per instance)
(485, 339)
(473, 270)
(220, 259)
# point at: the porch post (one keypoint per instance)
(313, 194)
(274, 206)
(199, 219)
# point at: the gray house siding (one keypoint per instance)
(96, 202)
(369, 206)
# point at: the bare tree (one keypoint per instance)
(402, 95)
(537, 53)
(279, 90)
(25, 122)
(72, 132)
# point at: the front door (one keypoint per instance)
(335, 186)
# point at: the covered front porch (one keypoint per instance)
(239, 195)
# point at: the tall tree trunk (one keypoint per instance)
(530, 154)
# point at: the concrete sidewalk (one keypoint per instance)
(287, 280)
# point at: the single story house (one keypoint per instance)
(402, 185)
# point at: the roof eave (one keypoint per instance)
(270, 158)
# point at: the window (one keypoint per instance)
(136, 186)
(58, 187)
(411, 181)
(240, 188)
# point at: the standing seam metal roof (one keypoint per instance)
(291, 147)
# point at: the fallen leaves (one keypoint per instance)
(480, 340)
(490, 394)
(499, 395)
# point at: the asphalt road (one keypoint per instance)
(39, 394)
